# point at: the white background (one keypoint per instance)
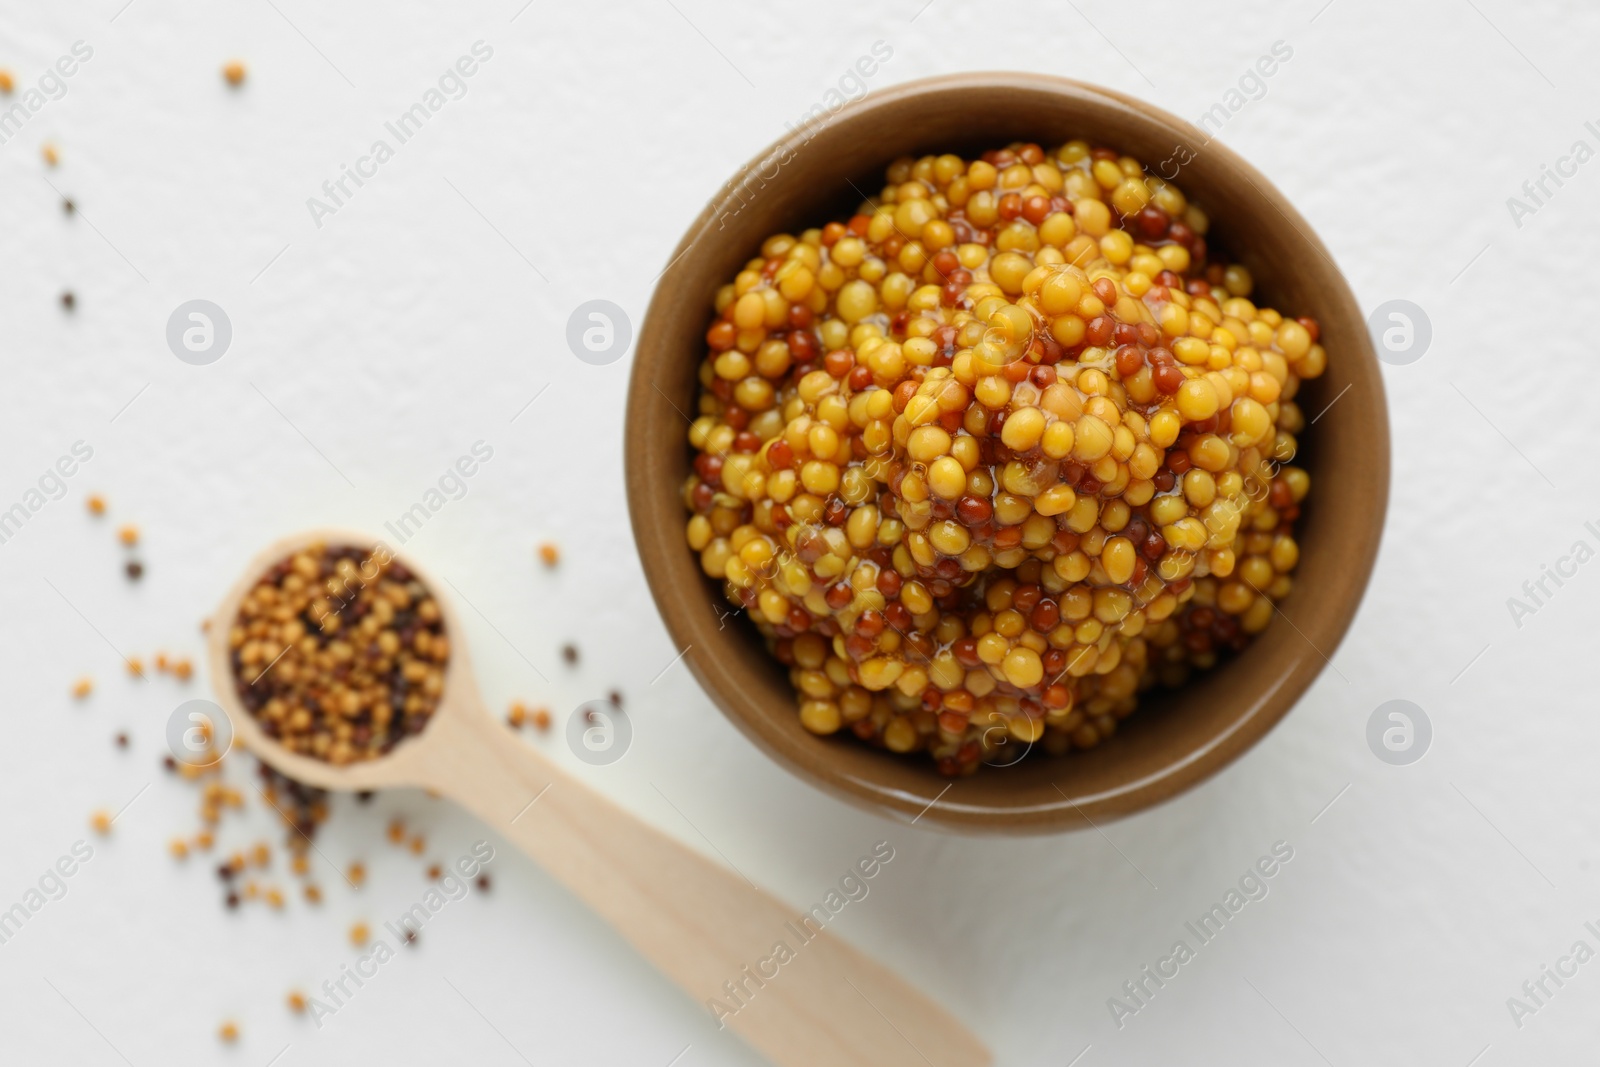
(424, 314)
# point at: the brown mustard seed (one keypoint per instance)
(135, 570)
(418, 845)
(483, 882)
(183, 670)
(541, 719)
(68, 301)
(233, 73)
(434, 872)
(569, 653)
(313, 894)
(340, 653)
(396, 831)
(121, 740)
(549, 554)
(357, 874)
(516, 716)
(68, 206)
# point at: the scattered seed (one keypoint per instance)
(549, 554)
(516, 716)
(122, 740)
(51, 155)
(82, 688)
(6, 81)
(68, 206)
(357, 874)
(101, 821)
(183, 669)
(297, 1001)
(313, 894)
(300, 865)
(136, 666)
(228, 1032)
(274, 898)
(434, 872)
(96, 503)
(68, 301)
(203, 840)
(569, 653)
(169, 763)
(135, 570)
(178, 848)
(418, 845)
(483, 882)
(615, 696)
(232, 900)
(128, 535)
(358, 934)
(397, 831)
(233, 71)
(541, 719)
(364, 797)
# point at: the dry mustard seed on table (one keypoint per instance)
(340, 653)
(228, 1032)
(233, 73)
(7, 83)
(101, 821)
(82, 688)
(359, 934)
(549, 554)
(96, 504)
(128, 535)
(51, 155)
(1001, 451)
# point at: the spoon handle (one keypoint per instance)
(702, 925)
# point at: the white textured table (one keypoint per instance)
(430, 305)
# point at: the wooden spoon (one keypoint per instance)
(700, 924)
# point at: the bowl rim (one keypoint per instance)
(664, 555)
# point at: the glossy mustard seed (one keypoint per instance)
(1006, 448)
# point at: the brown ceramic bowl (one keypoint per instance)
(1176, 738)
